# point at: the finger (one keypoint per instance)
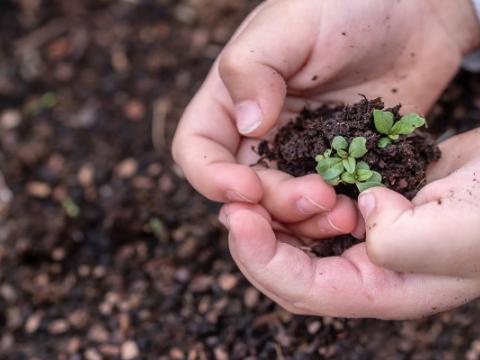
(359, 231)
(287, 198)
(257, 63)
(204, 144)
(456, 152)
(425, 237)
(347, 286)
(291, 199)
(258, 210)
(342, 219)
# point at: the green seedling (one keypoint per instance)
(363, 177)
(71, 209)
(384, 123)
(344, 160)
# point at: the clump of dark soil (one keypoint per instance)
(402, 164)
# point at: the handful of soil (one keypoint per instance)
(402, 164)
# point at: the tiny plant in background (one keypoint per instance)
(385, 125)
(339, 164)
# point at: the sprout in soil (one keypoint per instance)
(384, 124)
(342, 167)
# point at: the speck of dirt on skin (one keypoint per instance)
(372, 226)
(315, 77)
(344, 33)
(394, 90)
(439, 201)
(434, 308)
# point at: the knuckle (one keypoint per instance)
(230, 62)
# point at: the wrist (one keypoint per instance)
(460, 21)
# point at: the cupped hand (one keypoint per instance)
(439, 231)
(288, 54)
(419, 258)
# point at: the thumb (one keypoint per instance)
(381, 208)
(257, 63)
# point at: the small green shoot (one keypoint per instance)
(47, 101)
(343, 166)
(157, 227)
(384, 123)
(363, 177)
(71, 209)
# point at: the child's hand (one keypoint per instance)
(439, 231)
(291, 53)
(420, 257)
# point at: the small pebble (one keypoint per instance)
(314, 326)
(98, 333)
(86, 175)
(73, 345)
(38, 189)
(250, 297)
(92, 354)
(227, 281)
(57, 327)
(176, 354)
(220, 354)
(33, 322)
(135, 110)
(129, 350)
(127, 168)
(10, 119)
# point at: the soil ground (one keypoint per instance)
(403, 163)
(106, 252)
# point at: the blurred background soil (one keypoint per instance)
(105, 250)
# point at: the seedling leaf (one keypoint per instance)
(363, 175)
(334, 182)
(342, 153)
(330, 168)
(376, 177)
(358, 147)
(339, 143)
(367, 185)
(384, 142)
(363, 165)
(407, 124)
(383, 121)
(348, 178)
(349, 164)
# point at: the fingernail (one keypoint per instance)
(223, 218)
(307, 206)
(335, 227)
(237, 197)
(248, 116)
(366, 203)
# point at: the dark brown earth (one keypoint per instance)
(403, 163)
(143, 266)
